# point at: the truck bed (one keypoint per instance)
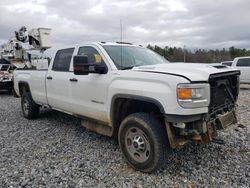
(36, 82)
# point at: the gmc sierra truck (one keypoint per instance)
(149, 104)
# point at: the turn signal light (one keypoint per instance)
(184, 93)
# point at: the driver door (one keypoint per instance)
(89, 92)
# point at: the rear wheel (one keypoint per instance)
(143, 142)
(29, 108)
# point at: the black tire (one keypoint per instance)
(29, 108)
(145, 131)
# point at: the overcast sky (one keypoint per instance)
(194, 23)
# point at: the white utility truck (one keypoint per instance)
(17, 54)
(243, 64)
(130, 92)
(17, 50)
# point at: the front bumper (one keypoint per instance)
(6, 85)
(196, 128)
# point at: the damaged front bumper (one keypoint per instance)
(196, 128)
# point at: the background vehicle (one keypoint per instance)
(228, 63)
(243, 64)
(17, 50)
(6, 76)
(135, 95)
(16, 54)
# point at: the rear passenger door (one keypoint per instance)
(57, 80)
(244, 66)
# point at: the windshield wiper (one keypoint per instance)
(126, 68)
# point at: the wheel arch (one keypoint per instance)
(123, 105)
(23, 87)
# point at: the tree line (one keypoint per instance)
(175, 54)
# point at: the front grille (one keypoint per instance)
(224, 92)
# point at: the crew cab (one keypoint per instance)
(131, 93)
(243, 64)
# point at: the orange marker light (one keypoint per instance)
(184, 93)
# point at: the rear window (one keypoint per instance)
(243, 62)
(62, 60)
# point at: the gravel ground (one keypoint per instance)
(56, 151)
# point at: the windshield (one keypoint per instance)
(228, 63)
(129, 56)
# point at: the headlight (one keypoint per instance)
(193, 95)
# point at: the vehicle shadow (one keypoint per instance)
(68, 122)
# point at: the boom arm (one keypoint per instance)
(15, 49)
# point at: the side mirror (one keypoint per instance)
(80, 65)
(101, 69)
(83, 67)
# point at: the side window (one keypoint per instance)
(92, 54)
(62, 60)
(243, 62)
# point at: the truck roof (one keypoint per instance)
(103, 44)
(117, 44)
(243, 57)
(99, 44)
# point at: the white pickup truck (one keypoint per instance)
(135, 95)
(243, 64)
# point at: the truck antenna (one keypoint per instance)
(121, 38)
(121, 29)
(184, 54)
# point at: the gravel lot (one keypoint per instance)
(56, 151)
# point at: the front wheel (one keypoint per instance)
(143, 141)
(29, 108)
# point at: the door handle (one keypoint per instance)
(49, 77)
(73, 80)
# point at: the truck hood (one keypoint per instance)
(191, 71)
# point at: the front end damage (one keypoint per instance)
(202, 128)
